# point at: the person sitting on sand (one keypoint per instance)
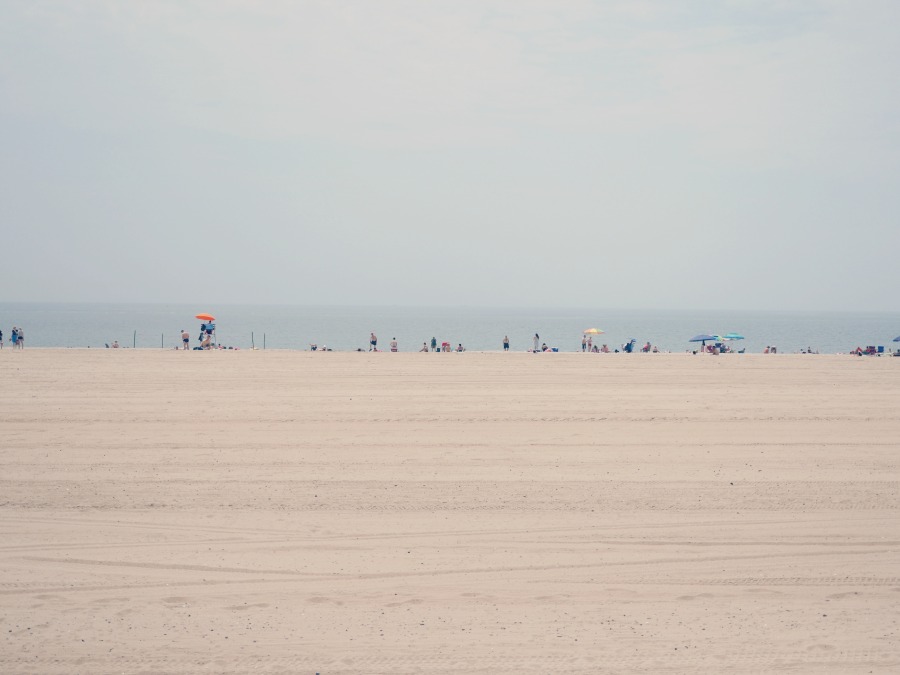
(205, 344)
(424, 347)
(604, 349)
(394, 344)
(595, 350)
(460, 348)
(115, 344)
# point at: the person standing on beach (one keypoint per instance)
(14, 337)
(373, 342)
(506, 343)
(590, 344)
(1, 338)
(583, 343)
(394, 344)
(433, 344)
(21, 343)
(537, 342)
(185, 339)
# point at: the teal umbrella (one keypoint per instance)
(733, 336)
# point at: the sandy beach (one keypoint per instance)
(296, 512)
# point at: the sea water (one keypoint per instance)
(477, 329)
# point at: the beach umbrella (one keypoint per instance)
(593, 331)
(733, 336)
(703, 337)
(897, 339)
(206, 317)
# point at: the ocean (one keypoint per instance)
(149, 326)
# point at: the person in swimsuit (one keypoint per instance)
(394, 344)
(424, 347)
(434, 344)
(185, 339)
(537, 341)
(506, 343)
(21, 341)
(583, 343)
(373, 342)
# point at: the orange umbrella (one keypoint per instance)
(206, 317)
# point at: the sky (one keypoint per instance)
(635, 154)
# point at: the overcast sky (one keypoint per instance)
(624, 154)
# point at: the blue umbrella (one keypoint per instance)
(702, 338)
(897, 339)
(733, 336)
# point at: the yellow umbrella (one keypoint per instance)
(593, 331)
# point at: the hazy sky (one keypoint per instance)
(671, 154)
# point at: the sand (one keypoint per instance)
(301, 512)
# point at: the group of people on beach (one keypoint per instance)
(394, 345)
(16, 338)
(587, 346)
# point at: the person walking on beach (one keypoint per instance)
(14, 337)
(185, 339)
(433, 344)
(583, 343)
(537, 342)
(373, 342)
(21, 343)
(506, 343)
